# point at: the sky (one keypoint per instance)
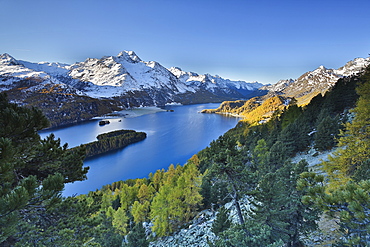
(250, 40)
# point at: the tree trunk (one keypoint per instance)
(236, 200)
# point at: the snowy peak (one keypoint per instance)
(6, 59)
(213, 82)
(279, 86)
(129, 56)
(318, 80)
(56, 69)
(12, 70)
(126, 76)
(126, 72)
(353, 67)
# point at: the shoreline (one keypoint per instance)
(131, 113)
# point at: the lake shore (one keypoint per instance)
(131, 113)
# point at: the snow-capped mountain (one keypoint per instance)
(214, 83)
(125, 80)
(126, 76)
(279, 86)
(31, 77)
(114, 82)
(317, 81)
(126, 72)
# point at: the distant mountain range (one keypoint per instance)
(317, 81)
(281, 95)
(70, 93)
(125, 76)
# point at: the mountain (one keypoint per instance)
(216, 84)
(317, 81)
(118, 82)
(48, 87)
(289, 92)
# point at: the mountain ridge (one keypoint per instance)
(126, 81)
(316, 81)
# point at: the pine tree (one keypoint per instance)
(354, 142)
(349, 203)
(260, 235)
(140, 211)
(277, 203)
(222, 221)
(327, 131)
(160, 213)
(32, 171)
(177, 199)
(341, 197)
(137, 237)
(228, 165)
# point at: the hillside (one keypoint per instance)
(248, 188)
(317, 81)
(286, 92)
(109, 84)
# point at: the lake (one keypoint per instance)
(172, 138)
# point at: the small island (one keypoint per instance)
(104, 122)
(112, 141)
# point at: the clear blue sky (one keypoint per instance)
(252, 40)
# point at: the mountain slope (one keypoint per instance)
(125, 80)
(281, 94)
(317, 81)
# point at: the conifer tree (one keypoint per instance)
(228, 165)
(260, 235)
(349, 203)
(354, 142)
(32, 171)
(342, 197)
(140, 211)
(277, 203)
(120, 221)
(161, 212)
(177, 199)
(222, 221)
(137, 237)
(327, 130)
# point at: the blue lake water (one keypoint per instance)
(172, 138)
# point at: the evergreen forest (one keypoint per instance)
(250, 165)
(112, 141)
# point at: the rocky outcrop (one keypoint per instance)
(198, 233)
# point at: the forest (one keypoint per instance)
(251, 162)
(112, 141)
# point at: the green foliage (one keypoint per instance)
(277, 203)
(120, 220)
(178, 198)
(342, 198)
(112, 141)
(349, 203)
(69, 223)
(228, 165)
(354, 141)
(137, 237)
(259, 235)
(168, 199)
(290, 115)
(222, 221)
(327, 131)
(32, 171)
